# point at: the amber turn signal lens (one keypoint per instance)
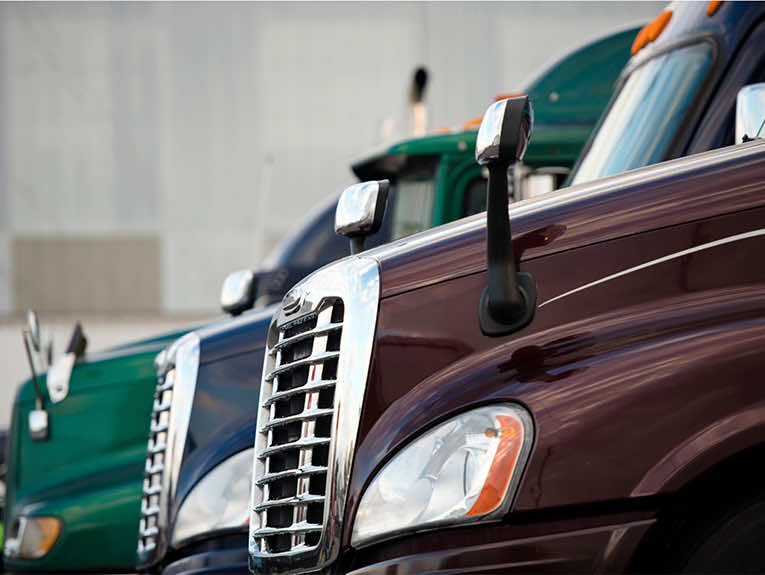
(33, 537)
(501, 470)
(464, 470)
(49, 530)
(713, 6)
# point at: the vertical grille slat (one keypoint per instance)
(296, 415)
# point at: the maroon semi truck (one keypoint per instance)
(589, 396)
(423, 412)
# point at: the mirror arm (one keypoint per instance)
(357, 244)
(509, 299)
(505, 299)
(38, 392)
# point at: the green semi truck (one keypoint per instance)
(74, 489)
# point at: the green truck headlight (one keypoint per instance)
(33, 537)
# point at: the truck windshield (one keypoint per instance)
(414, 195)
(646, 113)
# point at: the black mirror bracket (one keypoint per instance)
(357, 244)
(509, 300)
(492, 327)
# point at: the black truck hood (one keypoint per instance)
(222, 421)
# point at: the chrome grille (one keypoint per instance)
(298, 394)
(312, 391)
(177, 370)
(148, 530)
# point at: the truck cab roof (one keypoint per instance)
(676, 95)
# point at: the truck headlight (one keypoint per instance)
(465, 469)
(219, 501)
(33, 537)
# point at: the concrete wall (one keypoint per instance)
(214, 127)
(146, 149)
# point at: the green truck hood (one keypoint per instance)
(568, 99)
(88, 473)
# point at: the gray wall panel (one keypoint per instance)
(90, 275)
(214, 127)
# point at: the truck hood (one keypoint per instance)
(571, 217)
(221, 422)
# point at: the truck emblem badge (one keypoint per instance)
(292, 302)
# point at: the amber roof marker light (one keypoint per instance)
(650, 32)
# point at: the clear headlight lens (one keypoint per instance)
(218, 501)
(34, 537)
(465, 469)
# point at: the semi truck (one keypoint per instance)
(571, 384)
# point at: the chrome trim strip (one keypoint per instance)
(305, 498)
(320, 330)
(152, 490)
(159, 428)
(310, 360)
(294, 445)
(299, 472)
(299, 528)
(180, 380)
(156, 448)
(305, 416)
(153, 470)
(680, 254)
(161, 406)
(308, 387)
(356, 282)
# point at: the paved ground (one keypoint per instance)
(102, 332)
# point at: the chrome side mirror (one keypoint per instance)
(238, 291)
(508, 302)
(38, 425)
(38, 417)
(750, 113)
(33, 329)
(505, 132)
(360, 211)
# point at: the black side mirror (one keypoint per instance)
(509, 300)
(360, 211)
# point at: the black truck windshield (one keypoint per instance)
(646, 113)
